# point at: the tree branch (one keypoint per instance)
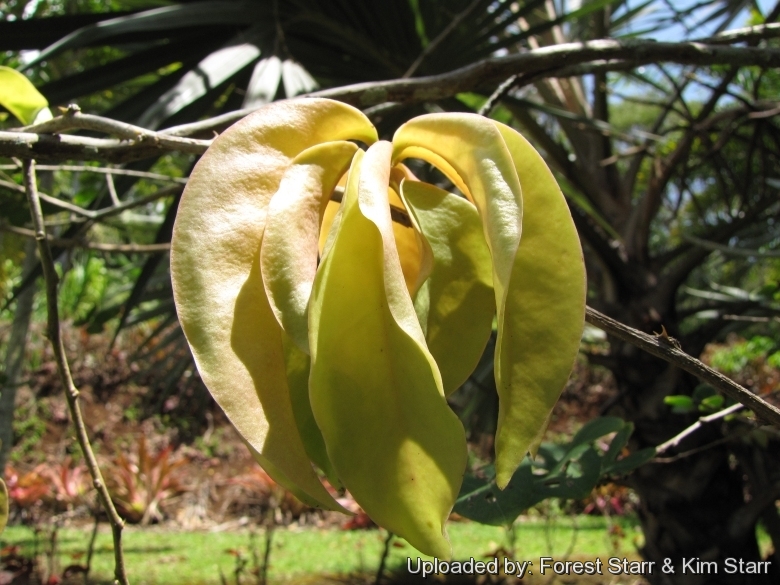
(76, 243)
(71, 392)
(677, 439)
(565, 59)
(665, 348)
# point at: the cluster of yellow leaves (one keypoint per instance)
(331, 334)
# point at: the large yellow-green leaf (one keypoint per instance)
(3, 506)
(547, 296)
(374, 387)
(460, 286)
(471, 152)
(19, 96)
(290, 241)
(539, 281)
(217, 282)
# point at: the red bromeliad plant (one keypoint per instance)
(331, 334)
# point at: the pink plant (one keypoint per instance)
(69, 482)
(27, 490)
(139, 486)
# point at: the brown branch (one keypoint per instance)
(77, 243)
(73, 119)
(71, 392)
(559, 60)
(665, 349)
(103, 170)
(496, 69)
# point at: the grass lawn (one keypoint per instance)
(165, 556)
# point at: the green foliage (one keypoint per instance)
(704, 399)
(29, 428)
(567, 471)
(83, 288)
(735, 358)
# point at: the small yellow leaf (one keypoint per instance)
(19, 96)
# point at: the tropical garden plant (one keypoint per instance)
(666, 153)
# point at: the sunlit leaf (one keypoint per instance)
(19, 96)
(460, 287)
(375, 389)
(220, 297)
(539, 281)
(294, 215)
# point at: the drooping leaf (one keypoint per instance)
(217, 283)
(547, 294)
(289, 258)
(375, 390)
(19, 96)
(539, 281)
(460, 286)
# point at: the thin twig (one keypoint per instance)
(729, 250)
(665, 349)
(71, 392)
(496, 96)
(104, 170)
(383, 561)
(80, 243)
(677, 439)
(101, 213)
(91, 547)
(112, 190)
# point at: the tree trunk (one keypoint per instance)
(704, 505)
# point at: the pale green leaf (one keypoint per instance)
(539, 282)
(542, 330)
(375, 390)
(461, 304)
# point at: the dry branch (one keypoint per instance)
(666, 349)
(136, 143)
(71, 392)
